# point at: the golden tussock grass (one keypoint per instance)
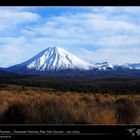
(34, 105)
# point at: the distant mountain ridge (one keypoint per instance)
(58, 61)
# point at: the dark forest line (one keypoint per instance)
(111, 85)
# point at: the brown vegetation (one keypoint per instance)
(127, 111)
(40, 105)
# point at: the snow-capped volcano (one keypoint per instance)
(53, 58)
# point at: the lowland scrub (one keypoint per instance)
(30, 105)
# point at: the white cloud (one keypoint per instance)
(102, 34)
(10, 55)
(112, 55)
(11, 19)
(120, 41)
(82, 25)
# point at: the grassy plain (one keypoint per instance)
(35, 105)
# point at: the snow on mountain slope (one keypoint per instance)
(54, 58)
(103, 66)
(107, 66)
(134, 66)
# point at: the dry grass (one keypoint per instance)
(34, 105)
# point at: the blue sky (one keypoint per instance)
(92, 33)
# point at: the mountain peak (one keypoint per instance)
(54, 48)
(54, 58)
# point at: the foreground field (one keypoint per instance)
(20, 104)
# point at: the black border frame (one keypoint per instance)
(83, 130)
(69, 2)
(94, 130)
